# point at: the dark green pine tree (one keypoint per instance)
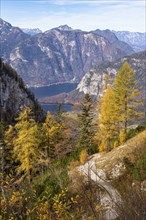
(51, 136)
(86, 125)
(58, 116)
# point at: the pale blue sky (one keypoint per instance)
(79, 14)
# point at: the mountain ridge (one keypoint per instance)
(136, 40)
(57, 55)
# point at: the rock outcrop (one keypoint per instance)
(105, 168)
(14, 95)
(93, 80)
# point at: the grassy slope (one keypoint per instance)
(112, 162)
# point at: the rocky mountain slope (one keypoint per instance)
(14, 95)
(58, 55)
(112, 38)
(93, 80)
(135, 39)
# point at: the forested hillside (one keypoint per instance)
(48, 168)
(14, 95)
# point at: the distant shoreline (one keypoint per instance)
(52, 84)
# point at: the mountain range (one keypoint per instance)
(135, 39)
(63, 54)
(57, 55)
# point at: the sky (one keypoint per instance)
(79, 14)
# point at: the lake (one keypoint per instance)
(53, 107)
(46, 91)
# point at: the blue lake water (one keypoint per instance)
(46, 91)
(53, 107)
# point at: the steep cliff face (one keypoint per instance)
(14, 95)
(58, 55)
(93, 80)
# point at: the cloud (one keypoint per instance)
(91, 2)
(116, 20)
(85, 15)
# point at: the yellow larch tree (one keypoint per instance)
(127, 96)
(108, 127)
(26, 143)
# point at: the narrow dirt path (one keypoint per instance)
(111, 196)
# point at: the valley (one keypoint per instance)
(92, 82)
(45, 92)
(63, 55)
(72, 110)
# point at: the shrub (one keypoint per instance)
(83, 156)
(132, 132)
(73, 164)
(136, 170)
(122, 137)
(133, 204)
(116, 143)
(139, 170)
